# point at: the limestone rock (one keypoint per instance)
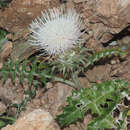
(55, 98)
(6, 50)
(19, 14)
(106, 17)
(36, 120)
(2, 108)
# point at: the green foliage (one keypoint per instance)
(22, 70)
(73, 61)
(78, 59)
(22, 106)
(2, 37)
(68, 62)
(94, 98)
(4, 120)
(105, 53)
(37, 73)
(4, 3)
(122, 122)
(2, 34)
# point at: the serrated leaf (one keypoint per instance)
(5, 120)
(76, 80)
(30, 78)
(17, 66)
(13, 75)
(4, 75)
(24, 65)
(36, 83)
(42, 77)
(71, 114)
(21, 77)
(2, 123)
(91, 98)
(122, 122)
(105, 121)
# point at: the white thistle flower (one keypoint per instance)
(57, 30)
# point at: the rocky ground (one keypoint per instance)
(110, 22)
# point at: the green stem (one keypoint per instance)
(64, 81)
(57, 79)
(8, 118)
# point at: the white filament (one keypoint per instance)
(56, 30)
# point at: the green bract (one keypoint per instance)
(77, 60)
(70, 61)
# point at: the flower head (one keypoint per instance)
(57, 30)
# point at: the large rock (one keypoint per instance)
(20, 13)
(106, 17)
(36, 120)
(55, 98)
(2, 108)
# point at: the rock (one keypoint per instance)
(110, 12)
(36, 120)
(9, 94)
(2, 108)
(99, 73)
(122, 70)
(6, 50)
(55, 98)
(124, 2)
(87, 120)
(108, 8)
(19, 14)
(106, 17)
(84, 82)
(22, 50)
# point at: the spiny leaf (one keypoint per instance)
(122, 121)
(4, 3)
(30, 71)
(21, 70)
(2, 124)
(2, 34)
(21, 77)
(70, 61)
(4, 75)
(104, 121)
(92, 98)
(78, 60)
(5, 120)
(105, 53)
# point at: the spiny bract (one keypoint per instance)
(57, 30)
